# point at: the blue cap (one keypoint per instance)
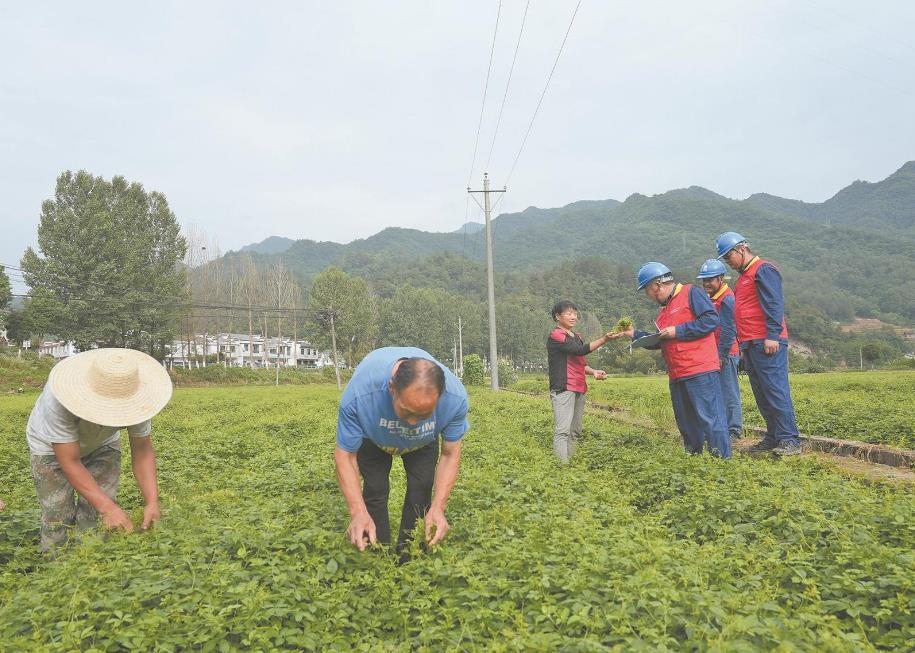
(651, 271)
(728, 241)
(712, 268)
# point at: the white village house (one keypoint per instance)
(234, 349)
(237, 350)
(58, 349)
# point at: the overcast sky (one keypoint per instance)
(333, 120)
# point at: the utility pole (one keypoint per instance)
(460, 369)
(491, 293)
(330, 316)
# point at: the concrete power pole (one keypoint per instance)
(491, 293)
(460, 369)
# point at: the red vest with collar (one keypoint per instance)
(717, 300)
(686, 358)
(748, 312)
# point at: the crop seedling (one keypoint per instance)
(623, 324)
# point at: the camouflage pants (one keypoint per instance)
(61, 508)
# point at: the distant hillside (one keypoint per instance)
(841, 266)
(272, 245)
(885, 204)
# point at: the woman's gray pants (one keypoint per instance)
(568, 411)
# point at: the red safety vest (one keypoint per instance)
(717, 298)
(748, 313)
(685, 357)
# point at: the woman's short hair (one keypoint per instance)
(562, 306)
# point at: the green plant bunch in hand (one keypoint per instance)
(622, 325)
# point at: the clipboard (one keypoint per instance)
(647, 341)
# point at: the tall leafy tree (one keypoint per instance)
(428, 318)
(109, 254)
(344, 309)
(6, 294)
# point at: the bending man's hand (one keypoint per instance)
(361, 531)
(117, 519)
(600, 375)
(435, 519)
(151, 515)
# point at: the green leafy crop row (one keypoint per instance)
(876, 407)
(632, 547)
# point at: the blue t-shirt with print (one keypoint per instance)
(367, 408)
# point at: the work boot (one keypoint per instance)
(787, 449)
(764, 445)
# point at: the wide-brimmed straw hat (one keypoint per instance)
(111, 387)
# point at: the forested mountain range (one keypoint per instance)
(885, 205)
(841, 259)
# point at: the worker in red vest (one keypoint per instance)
(687, 323)
(711, 275)
(759, 311)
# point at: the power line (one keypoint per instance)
(507, 84)
(542, 95)
(476, 143)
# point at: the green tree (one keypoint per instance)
(344, 310)
(41, 313)
(109, 254)
(873, 351)
(16, 327)
(6, 291)
(6, 294)
(422, 317)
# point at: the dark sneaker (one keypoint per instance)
(764, 445)
(736, 435)
(787, 450)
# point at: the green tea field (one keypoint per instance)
(632, 547)
(876, 407)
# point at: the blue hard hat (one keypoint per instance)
(712, 268)
(728, 241)
(651, 271)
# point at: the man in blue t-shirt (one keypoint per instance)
(397, 403)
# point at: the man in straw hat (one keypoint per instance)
(73, 435)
